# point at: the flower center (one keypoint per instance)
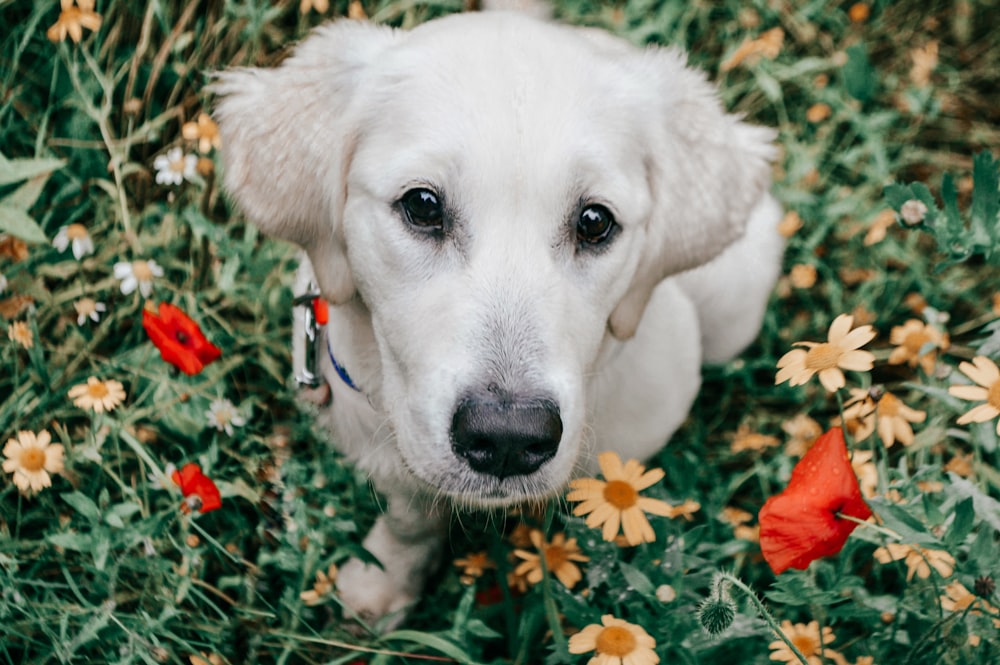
(555, 557)
(97, 390)
(616, 641)
(142, 271)
(33, 459)
(993, 396)
(888, 406)
(807, 644)
(915, 341)
(76, 231)
(823, 356)
(620, 494)
(178, 165)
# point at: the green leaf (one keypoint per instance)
(985, 210)
(25, 196)
(16, 170)
(70, 540)
(83, 505)
(18, 223)
(859, 76)
(433, 642)
(637, 579)
(965, 517)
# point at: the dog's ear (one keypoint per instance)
(706, 170)
(287, 136)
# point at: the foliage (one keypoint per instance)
(108, 566)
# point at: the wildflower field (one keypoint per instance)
(833, 497)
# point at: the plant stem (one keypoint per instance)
(764, 613)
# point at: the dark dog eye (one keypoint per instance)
(422, 208)
(595, 225)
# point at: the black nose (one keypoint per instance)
(506, 437)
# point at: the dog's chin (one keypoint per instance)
(470, 490)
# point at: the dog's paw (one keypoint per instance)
(373, 596)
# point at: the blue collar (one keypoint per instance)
(341, 372)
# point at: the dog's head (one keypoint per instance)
(502, 194)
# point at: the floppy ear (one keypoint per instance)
(287, 136)
(706, 170)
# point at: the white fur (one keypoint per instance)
(515, 121)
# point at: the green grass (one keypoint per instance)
(104, 567)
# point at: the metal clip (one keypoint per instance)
(306, 342)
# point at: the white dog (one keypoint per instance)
(531, 235)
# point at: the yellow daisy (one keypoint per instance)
(807, 639)
(747, 439)
(322, 588)
(73, 18)
(984, 372)
(917, 342)
(98, 395)
(839, 352)
(886, 413)
(615, 642)
(957, 598)
(20, 333)
(616, 502)
(560, 555)
(473, 566)
(919, 561)
(802, 433)
(204, 130)
(31, 459)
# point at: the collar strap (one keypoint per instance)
(315, 317)
(341, 372)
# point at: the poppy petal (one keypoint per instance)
(801, 524)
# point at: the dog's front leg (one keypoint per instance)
(407, 541)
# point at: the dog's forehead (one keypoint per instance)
(504, 95)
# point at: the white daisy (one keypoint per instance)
(77, 236)
(137, 274)
(175, 167)
(223, 415)
(88, 308)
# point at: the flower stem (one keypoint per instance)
(763, 612)
(881, 529)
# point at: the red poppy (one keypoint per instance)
(199, 490)
(801, 524)
(179, 339)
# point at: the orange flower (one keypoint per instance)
(560, 555)
(204, 130)
(917, 342)
(883, 411)
(768, 45)
(616, 501)
(802, 523)
(73, 19)
(827, 359)
(919, 561)
(986, 374)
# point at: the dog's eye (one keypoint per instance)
(422, 208)
(595, 225)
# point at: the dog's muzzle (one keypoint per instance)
(506, 437)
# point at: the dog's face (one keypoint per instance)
(503, 195)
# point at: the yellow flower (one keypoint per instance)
(790, 224)
(803, 432)
(917, 342)
(20, 333)
(615, 642)
(984, 372)
(839, 352)
(616, 501)
(321, 6)
(31, 459)
(808, 640)
(747, 439)
(559, 557)
(885, 412)
(204, 130)
(321, 588)
(474, 565)
(957, 598)
(73, 19)
(918, 560)
(98, 395)
(768, 45)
